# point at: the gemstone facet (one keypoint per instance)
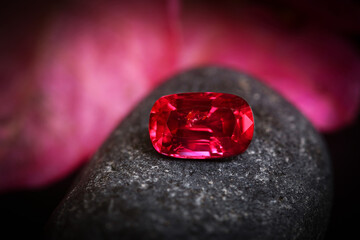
(201, 125)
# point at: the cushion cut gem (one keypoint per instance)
(201, 125)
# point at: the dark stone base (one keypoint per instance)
(280, 188)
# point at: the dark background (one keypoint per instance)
(25, 213)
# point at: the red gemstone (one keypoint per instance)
(201, 125)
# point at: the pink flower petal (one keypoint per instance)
(67, 88)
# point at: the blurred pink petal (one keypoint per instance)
(91, 64)
(315, 70)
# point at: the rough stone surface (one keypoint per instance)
(280, 188)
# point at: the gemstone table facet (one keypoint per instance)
(201, 125)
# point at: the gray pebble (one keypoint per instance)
(280, 188)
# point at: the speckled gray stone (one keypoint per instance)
(280, 188)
